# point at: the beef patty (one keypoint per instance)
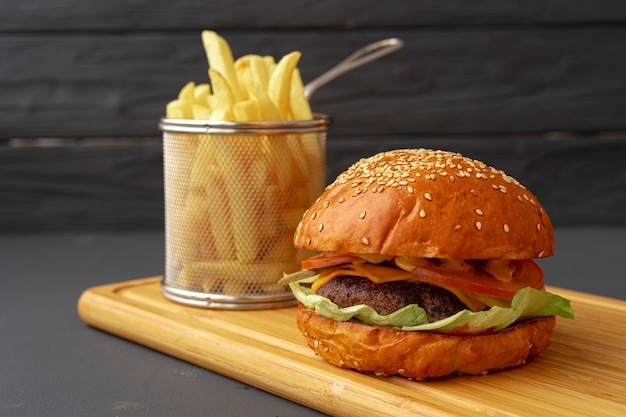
(388, 297)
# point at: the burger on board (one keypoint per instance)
(425, 268)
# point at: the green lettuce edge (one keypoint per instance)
(526, 304)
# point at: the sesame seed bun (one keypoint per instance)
(422, 355)
(426, 203)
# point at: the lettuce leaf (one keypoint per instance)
(527, 303)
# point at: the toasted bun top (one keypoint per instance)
(426, 203)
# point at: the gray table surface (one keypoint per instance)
(53, 364)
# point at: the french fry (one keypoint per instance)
(234, 157)
(266, 108)
(200, 105)
(237, 278)
(175, 109)
(281, 161)
(270, 65)
(299, 107)
(220, 58)
(186, 93)
(204, 166)
(276, 87)
(201, 94)
(252, 68)
(222, 97)
(222, 114)
(259, 71)
(296, 152)
(220, 214)
(181, 108)
(199, 242)
(201, 112)
(280, 83)
(247, 111)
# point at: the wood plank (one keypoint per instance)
(76, 187)
(447, 81)
(579, 181)
(581, 373)
(16, 15)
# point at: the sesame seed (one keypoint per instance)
(473, 192)
(362, 215)
(428, 197)
(422, 213)
(451, 178)
(341, 200)
(410, 189)
(308, 241)
(325, 204)
(314, 215)
(519, 197)
(538, 227)
(540, 254)
(457, 227)
(479, 225)
(320, 227)
(365, 241)
(506, 228)
(479, 212)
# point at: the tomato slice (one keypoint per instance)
(326, 259)
(525, 273)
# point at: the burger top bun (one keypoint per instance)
(427, 203)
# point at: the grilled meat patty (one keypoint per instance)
(388, 297)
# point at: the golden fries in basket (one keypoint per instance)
(240, 197)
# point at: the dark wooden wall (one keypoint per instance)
(537, 88)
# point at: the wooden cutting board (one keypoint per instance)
(582, 373)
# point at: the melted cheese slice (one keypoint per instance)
(381, 274)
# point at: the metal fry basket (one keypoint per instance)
(234, 194)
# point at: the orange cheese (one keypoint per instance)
(381, 274)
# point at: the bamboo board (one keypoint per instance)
(582, 373)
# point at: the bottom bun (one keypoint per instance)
(421, 355)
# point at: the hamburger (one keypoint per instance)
(424, 268)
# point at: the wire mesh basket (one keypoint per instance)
(234, 194)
